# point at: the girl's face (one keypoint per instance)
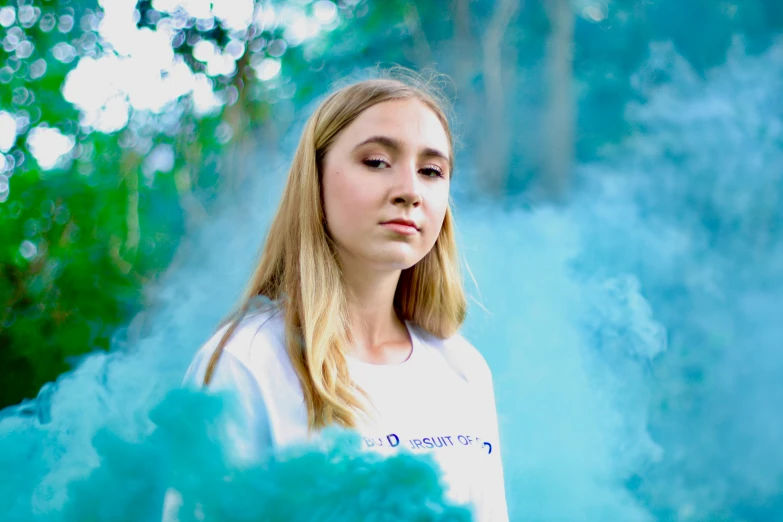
(386, 186)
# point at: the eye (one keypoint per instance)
(376, 162)
(432, 172)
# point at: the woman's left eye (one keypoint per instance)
(432, 172)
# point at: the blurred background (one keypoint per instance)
(618, 196)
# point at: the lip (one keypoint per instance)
(403, 226)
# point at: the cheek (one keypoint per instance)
(343, 204)
(332, 196)
(436, 213)
(439, 203)
(329, 192)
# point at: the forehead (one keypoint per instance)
(410, 121)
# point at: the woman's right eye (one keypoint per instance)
(375, 162)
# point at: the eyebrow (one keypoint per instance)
(396, 146)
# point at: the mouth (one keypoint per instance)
(402, 226)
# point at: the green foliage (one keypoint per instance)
(80, 241)
(48, 252)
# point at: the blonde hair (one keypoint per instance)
(299, 270)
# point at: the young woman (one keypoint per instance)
(364, 299)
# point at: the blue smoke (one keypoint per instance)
(634, 335)
(640, 325)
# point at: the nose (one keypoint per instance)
(407, 187)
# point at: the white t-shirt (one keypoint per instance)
(439, 400)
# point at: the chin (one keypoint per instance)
(399, 260)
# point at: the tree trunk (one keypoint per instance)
(560, 114)
(495, 157)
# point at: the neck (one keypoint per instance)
(379, 335)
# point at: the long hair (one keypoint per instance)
(298, 268)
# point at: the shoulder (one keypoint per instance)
(461, 355)
(258, 333)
